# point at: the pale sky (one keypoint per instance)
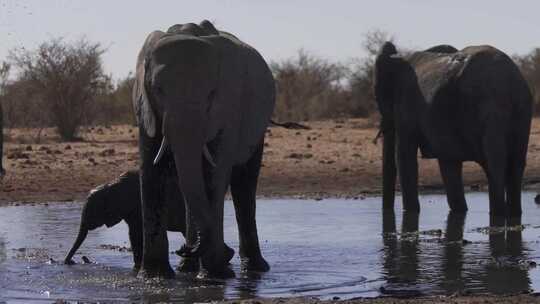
(332, 29)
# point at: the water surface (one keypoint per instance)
(329, 248)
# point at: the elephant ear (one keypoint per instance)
(141, 104)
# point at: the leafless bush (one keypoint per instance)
(309, 88)
(312, 88)
(63, 80)
(63, 85)
(115, 107)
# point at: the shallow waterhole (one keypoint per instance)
(329, 248)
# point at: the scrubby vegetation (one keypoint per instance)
(63, 84)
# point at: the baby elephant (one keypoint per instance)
(119, 200)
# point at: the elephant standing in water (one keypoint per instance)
(456, 106)
(121, 200)
(203, 100)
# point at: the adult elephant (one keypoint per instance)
(203, 100)
(456, 106)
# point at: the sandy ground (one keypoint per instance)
(334, 158)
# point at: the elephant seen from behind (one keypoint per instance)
(455, 106)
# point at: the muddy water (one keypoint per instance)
(330, 248)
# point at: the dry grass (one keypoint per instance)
(334, 158)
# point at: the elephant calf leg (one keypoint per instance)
(453, 182)
(243, 189)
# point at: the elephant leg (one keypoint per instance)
(216, 261)
(514, 179)
(155, 261)
(136, 241)
(189, 263)
(496, 159)
(408, 172)
(451, 172)
(243, 189)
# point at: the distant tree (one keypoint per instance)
(4, 75)
(308, 88)
(121, 101)
(64, 78)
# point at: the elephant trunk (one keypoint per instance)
(186, 137)
(384, 94)
(389, 164)
(83, 232)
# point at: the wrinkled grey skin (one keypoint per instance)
(2, 171)
(456, 106)
(120, 200)
(203, 101)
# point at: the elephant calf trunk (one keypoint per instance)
(83, 232)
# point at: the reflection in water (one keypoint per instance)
(325, 249)
(3, 254)
(452, 260)
(500, 270)
(506, 271)
(400, 253)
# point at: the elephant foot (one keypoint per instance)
(188, 264)
(224, 272)
(216, 263)
(256, 264)
(136, 268)
(156, 271)
(229, 254)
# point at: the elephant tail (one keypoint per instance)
(289, 125)
(83, 232)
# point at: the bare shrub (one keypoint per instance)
(115, 107)
(64, 80)
(309, 88)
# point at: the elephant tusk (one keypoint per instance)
(161, 150)
(208, 156)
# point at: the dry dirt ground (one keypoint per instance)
(334, 158)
